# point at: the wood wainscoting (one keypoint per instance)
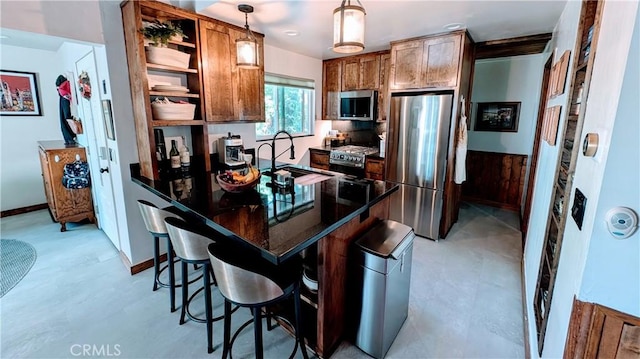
(495, 179)
(596, 331)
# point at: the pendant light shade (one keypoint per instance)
(348, 27)
(247, 46)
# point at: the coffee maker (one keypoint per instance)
(231, 151)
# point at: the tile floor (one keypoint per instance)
(465, 299)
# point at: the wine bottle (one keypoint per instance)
(174, 155)
(161, 150)
(185, 158)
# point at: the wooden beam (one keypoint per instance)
(524, 45)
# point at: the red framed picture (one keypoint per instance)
(19, 94)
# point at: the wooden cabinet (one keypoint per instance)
(66, 205)
(361, 72)
(406, 58)
(596, 331)
(319, 159)
(144, 74)
(220, 91)
(232, 94)
(331, 87)
(557, 218)
(426, 62)
(352, 73)
(374, 168)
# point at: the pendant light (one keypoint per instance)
(348, 27)
(247, 47)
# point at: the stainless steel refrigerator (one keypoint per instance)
(416, 158)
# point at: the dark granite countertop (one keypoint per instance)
(277, 224)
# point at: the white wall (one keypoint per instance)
(606, 82)
(20, 173)
(564, 37)
(78, 20)
(508, 79)
(607, 278)
(608, 70)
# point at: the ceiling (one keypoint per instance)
(30, 40)
(386, 20)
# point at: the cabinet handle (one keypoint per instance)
(103, 170)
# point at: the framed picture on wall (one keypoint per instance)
(19, 94)
(497, 116)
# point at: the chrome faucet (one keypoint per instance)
(273, 150)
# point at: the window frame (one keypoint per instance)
(281, 82)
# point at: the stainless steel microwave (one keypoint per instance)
(358, 105)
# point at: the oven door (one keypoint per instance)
(348, 170)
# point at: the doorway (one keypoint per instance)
(90, 108)
(536, 148)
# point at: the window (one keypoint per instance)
(289, 105)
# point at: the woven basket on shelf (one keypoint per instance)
(168, 57)
(173, 111)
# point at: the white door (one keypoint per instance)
(91, 114)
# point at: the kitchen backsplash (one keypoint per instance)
(361, 132)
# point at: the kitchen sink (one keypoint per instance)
(296, 172)
(300, 176)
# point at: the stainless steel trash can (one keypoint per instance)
(384, 256)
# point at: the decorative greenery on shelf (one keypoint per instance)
(159, 33)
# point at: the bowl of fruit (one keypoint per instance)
(236, 182)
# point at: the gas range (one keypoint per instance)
(350, 156)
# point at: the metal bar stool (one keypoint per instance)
(191, 247)
(254, 283)
(153, 218)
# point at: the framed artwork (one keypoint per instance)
(497, 116)
(107, 116)
(19, 94)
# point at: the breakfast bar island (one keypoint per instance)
(318, 217)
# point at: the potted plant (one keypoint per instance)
(158, 34)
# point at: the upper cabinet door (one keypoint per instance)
(331, 86)
(406, 60)
(248, 84)
(440, 61)
(232, 94)
(351, 74)
(361, 72)
(216, 63)
(369, 72)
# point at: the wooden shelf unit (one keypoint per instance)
(221, 91)
(133, 15)
(567, 158)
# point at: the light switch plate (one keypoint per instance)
(579, 206)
